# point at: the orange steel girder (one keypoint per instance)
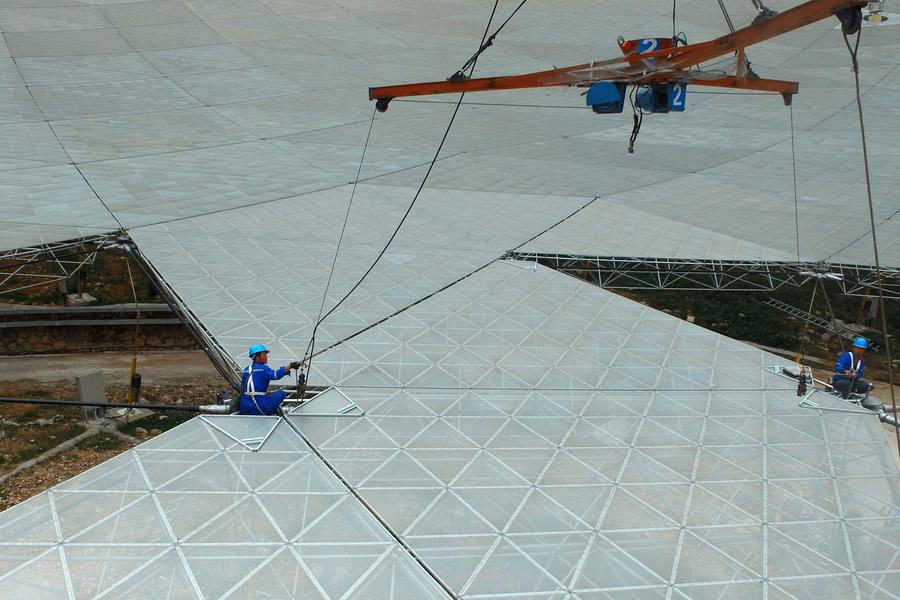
(671, 63)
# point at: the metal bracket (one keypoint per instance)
(332, 402)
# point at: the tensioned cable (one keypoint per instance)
(470, 64)
(137, 308)
(862, 132)
(674, 5)
(837, 332)
(890, 216)
(812, 301)
(280, 198)
(337, 251)
(486, 42)
(860, 238)
(452, 283)
(370, 509)
(794, 167)
(46, 121)
(137, 331)
(727, 16)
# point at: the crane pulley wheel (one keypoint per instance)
(851, 19)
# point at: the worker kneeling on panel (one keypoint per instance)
(255, 396)
(848, 371)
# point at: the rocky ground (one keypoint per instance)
(27, 431)
(35, 480)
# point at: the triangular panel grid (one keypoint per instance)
(213, 508)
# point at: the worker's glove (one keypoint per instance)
(301, 379)
(296, 364)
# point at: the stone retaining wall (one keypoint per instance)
(43, 330)
(93, 338)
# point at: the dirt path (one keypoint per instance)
(154, 367)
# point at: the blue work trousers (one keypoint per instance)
(263, 405)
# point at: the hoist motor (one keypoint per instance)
(606, 97)
(662, 98)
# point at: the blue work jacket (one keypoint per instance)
(255, 396)
(848, 362)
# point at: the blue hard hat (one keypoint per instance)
(861, 342)
(255, 348)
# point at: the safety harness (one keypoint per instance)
(251, 389)
(854, 366)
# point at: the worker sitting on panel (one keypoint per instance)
(255, 396)
(848, 371)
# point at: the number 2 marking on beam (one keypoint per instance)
(648, 45)
(678, 100)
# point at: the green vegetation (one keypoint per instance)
(106, 279)
(163, 422)
(745, 316)
(737, 315)
(30, 452)
(45, 294)
(103, 442)
(39, 440)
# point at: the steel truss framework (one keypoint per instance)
(17, 272)
(62, 259)
(229, 370)
(642, 273)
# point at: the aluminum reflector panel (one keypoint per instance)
(521, 325)
(631, 494)
(161, 110)
(728, 488)
(219, 507)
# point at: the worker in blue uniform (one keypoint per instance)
(255, 396)
(848, 371)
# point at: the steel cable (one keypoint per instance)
(471, 63)
(862, 132)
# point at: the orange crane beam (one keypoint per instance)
(762, 85)
(662, 65)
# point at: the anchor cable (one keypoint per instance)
(796, 201)
(862, 132)
(470, 64)
(310, 348)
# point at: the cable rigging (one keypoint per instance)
(470, 64)
(794, 169)
(802, 354)
(301, 379)
(486, 42)
(134, 389)
(638, 113)
(851, 22)
(857, 21)
(674, 6)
